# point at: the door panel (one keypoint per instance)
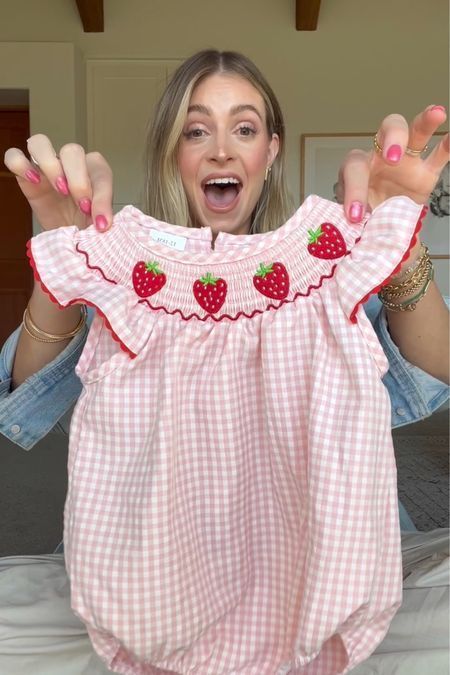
(16, 278)
(121, 97)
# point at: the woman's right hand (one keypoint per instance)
(69, 188)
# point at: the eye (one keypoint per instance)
(246, 130)
(194, 133)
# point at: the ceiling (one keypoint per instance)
(92, 15)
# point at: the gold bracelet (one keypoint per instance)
(410, 287)
(42, 336)
(405, 274)
(414, 274)
(409, 271)
(410, 283)
(410, 304)
(38, 339)
(403, 290)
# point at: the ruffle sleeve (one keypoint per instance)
(385, 242)
(80, 267)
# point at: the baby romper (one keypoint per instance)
(232, 500)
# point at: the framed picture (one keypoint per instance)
(321, 156)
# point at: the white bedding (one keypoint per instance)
(39, 635)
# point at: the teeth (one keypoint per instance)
(222, 181)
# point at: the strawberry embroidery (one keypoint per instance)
(326, 242)
(210, 292)
(272, 280)
(148, 279)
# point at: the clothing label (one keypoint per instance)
(171, 240)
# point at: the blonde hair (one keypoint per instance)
(165, 197)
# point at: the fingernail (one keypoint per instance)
(356, 212)
(85, 206)
(62, 185)
(101, 223)
(394, 153)
(33, 176)
(438, 107)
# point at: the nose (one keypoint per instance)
(221, 147)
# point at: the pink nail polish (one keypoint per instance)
(356, 212)
(394, 153)
(62, 185)
(438, 107)
(85, 206)
(33, 176)
(101, 223)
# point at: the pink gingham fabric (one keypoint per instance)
(232, 501)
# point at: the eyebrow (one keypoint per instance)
(235, 110)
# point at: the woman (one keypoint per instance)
(219, 124)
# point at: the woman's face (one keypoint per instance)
(224, 151)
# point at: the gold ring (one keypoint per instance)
(376, 145)
(415, 153)
(408, 151)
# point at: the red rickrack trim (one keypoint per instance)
(242, 313)
(93, 267)
(123, 346)
(194, 315)
(417, 229)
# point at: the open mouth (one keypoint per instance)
(221, 193)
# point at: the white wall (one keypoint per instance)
(366, 58)
(43, 69)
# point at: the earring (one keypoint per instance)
(268, 170)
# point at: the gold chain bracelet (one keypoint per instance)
(405, 274)
(410, 304)
(406, 289)
(415, 277)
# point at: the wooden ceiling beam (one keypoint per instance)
(91, 14)
(307, 14)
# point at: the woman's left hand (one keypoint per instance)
(368, 178)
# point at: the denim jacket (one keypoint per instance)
(46, 399)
